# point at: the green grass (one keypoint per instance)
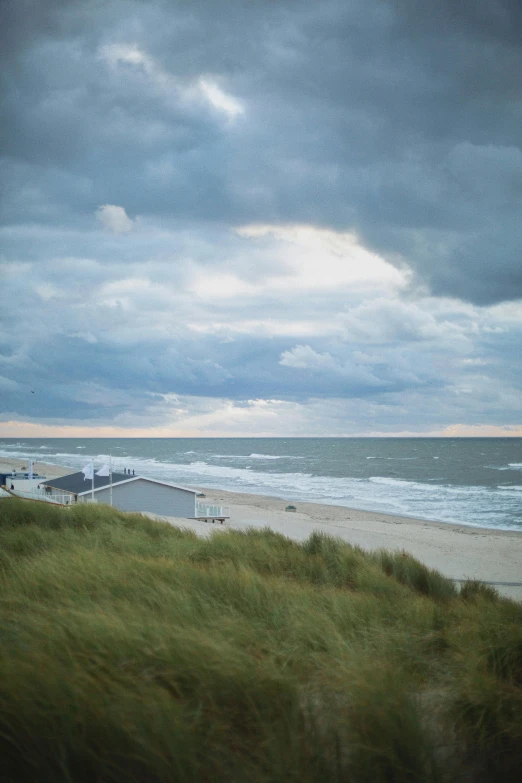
(134, 651)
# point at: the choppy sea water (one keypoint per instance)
(472, 481)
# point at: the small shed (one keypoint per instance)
(129, 493)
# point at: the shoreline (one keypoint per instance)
(362, 513)
(458, 551)
(228, 496)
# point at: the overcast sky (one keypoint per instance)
(261, 217)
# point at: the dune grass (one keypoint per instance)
(134, 651)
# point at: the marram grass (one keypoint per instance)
(134, 651)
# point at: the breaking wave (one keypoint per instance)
(493, 506)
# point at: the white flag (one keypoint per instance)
(104, 471)
(87, 471)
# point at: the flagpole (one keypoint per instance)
(92, 485)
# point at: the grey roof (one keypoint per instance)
(76, 482)
(79, 485)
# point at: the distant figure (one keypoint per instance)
(12, 485)
(133, 471)
(125, 470)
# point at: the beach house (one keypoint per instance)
(126, 492)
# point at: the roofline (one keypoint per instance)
(71, 491)
(59, 489)
(130, 480)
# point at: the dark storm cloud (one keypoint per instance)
(398, 121)
(401, 122)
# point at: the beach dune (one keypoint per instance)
(458, 551)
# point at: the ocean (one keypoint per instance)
(471, 481)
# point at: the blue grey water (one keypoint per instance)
(472, 481)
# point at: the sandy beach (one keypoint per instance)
(49, 471)
(458, 551)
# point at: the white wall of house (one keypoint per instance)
(143, 495)
(26, 485)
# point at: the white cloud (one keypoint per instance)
(114, 218)
(86, 336)
(387, 320)
(219, 99)
(474, 362)
(304, 357)
(220, 285)
(169, 86)
(47, 291)
(318, 258)
(269, 327)
(126, 53)
(227, 416)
